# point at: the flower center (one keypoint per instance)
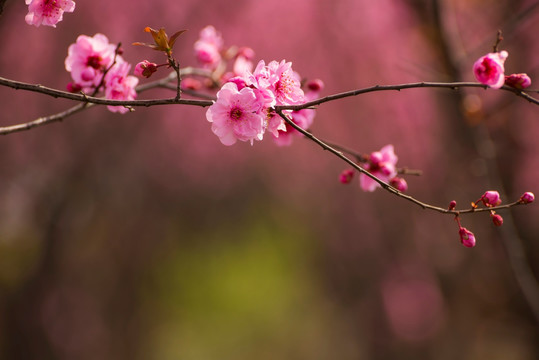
(284, 87)
(94, 61)
(489, 67)
(236, 113)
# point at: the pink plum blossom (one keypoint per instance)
(243, 64)
(518, 81)
(467, 238)
(120, 86)
(303, 118)
(489, 69)
(237, 115)
(208, 48)
(88, 58)
(382, 165)
(285, 83)
(47, 12)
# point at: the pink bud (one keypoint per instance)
(527, 198)
(518, 81)
(399, 184)
(491, 198)
(452, 205)
(346, 176)
(145, 68)
(497, 219)
(315, 85)
(73, 87)
(467, 238)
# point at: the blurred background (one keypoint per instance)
(140, 236)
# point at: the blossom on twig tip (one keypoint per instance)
(527, 197)
(489, 69)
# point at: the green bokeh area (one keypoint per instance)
(251, 296)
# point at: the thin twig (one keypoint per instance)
(44, 120)
(450, 85)
(99, 101)
(385, 185)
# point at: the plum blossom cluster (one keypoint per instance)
(95, 64)
(489, 70)
(489, 199)
(381, 164)
(47, 12)
(211, 54)
(243, 109)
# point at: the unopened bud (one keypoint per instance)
(518, 81)
(346, 176)
(467, 238)
(497, 219)
(491, 198)
(315, 85)
(399, 184)
(527, 198)
(452, 205)
(73, 87)
(145, 68)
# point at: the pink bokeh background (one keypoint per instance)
(141, 236)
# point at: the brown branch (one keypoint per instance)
(17, 85)
(44, 120)
(450, 85)
(164, 82)
(204, 103)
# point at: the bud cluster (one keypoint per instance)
(489, 199)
